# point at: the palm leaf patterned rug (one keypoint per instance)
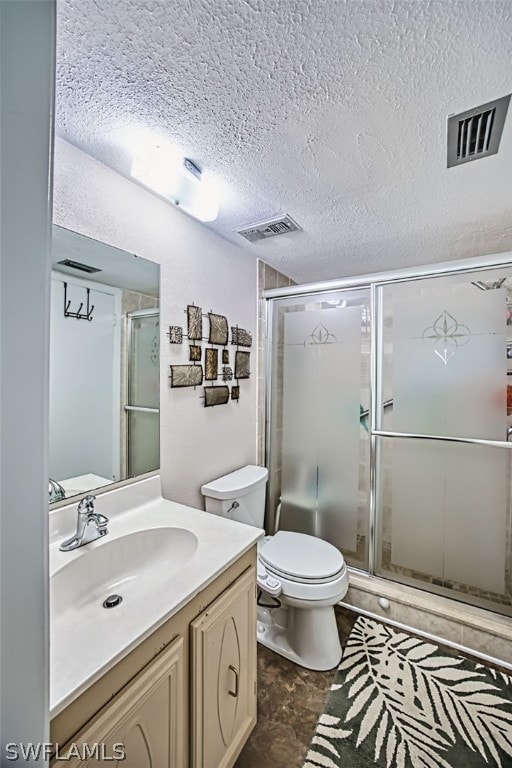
(398, 701)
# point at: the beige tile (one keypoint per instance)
(368, 602)
(146, 302)
(270, 277)
(130, 302)
(282, 280)
(261, 274)
(428, 622)
(485, 642)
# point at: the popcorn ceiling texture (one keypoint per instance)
(332, 111)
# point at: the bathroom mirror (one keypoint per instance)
(104, 365)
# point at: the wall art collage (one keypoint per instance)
(208, 364)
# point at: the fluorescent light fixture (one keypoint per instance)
(338, 303)
(169, 174)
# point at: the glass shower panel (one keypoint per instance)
(319, 427)
(143, 434)
(143, 363)
(144, 447)
(445, 361)
(443, 507)
(444, 518)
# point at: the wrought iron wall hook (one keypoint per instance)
(79, 315)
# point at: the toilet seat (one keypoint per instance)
(301, 558)
(332, 590)
(306, 567)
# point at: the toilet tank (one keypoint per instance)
(239, 496)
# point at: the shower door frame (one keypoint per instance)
(375, 283)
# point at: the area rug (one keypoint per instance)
(398, 701)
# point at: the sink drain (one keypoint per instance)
(112, 600)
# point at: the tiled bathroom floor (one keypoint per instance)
(290, 700)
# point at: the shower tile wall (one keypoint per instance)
(480, 631)
(268, 277)
(131, 301)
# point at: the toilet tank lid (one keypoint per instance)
(238, 483)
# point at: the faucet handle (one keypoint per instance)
(87, 504)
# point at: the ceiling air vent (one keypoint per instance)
(78, 265)
(477, 132)
(281, 226)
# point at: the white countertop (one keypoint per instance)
(80, 653)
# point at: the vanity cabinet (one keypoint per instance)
(224, 676)
(185, 697)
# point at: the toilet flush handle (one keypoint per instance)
(234, 505)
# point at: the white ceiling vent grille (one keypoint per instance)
(265, 229)
(477, 132)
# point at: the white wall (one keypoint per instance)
(197, 266)
(85, 381)
(27, 66)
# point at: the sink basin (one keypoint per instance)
(132, 566)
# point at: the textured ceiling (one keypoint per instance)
(333, 111)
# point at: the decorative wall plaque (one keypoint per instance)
(195, 352)
(216, 395)
(175, 334)
(240, 337)
(194, 322)
(217, 364)
(218, 329)
(211, 364)
(186, 375)
(242, 367)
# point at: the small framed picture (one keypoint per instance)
(242, 367)
(194, 322)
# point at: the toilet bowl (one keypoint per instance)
(301, 577)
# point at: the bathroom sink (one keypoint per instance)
(133, 566)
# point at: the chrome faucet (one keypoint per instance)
(89, 527)
(55, 491)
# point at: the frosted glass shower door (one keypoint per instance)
(143, 432)
(320, 426)
(443, 503)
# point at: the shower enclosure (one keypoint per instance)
(388, 418)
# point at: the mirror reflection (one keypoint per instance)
(104, 365)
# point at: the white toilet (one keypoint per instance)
(301, 577)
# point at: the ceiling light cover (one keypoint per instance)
(165, 171)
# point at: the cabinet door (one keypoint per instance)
(145, 721)
(224, 675)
